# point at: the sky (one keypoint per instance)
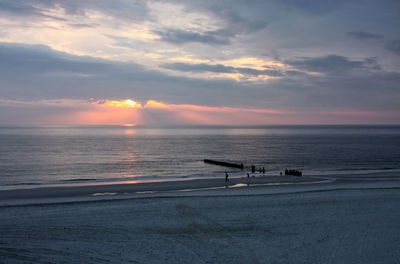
(253, 62)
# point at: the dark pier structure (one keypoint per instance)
(293, 173)
(223, 163)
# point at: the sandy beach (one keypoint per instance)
(346, 219)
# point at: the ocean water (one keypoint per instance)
(54, 155)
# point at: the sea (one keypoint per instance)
(96, 154)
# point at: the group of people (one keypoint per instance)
(253, 170)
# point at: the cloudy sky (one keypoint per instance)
(199, 62)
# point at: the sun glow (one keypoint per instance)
(124, 104)
(130, 113)
(156, 104)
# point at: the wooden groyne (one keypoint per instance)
(293, 172)
(223, 163)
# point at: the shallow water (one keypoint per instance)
(43, 155)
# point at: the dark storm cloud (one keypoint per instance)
(362, 35)
(37, 9)
(233, 24)
(26, 60)
(133, 10)
(38, 72)
(201, 67)
(218, 68)
(251, 71)
(24, 9)
(391, 45)
(331, 64)
(177, 36)
(295, 73)
(236, 22)
(18, 8)
(233, 13)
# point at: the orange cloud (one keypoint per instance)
(155, 104)
(128, 111)
(105, 112)
(161, 105)
(198, 114)
(96, 116)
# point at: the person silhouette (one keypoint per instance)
(226, 177)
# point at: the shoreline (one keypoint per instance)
(160, 179)
(199, 187)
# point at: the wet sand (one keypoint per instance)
(208, 186)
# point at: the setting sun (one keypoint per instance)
(128, 103)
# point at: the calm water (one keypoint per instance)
(73, 154)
